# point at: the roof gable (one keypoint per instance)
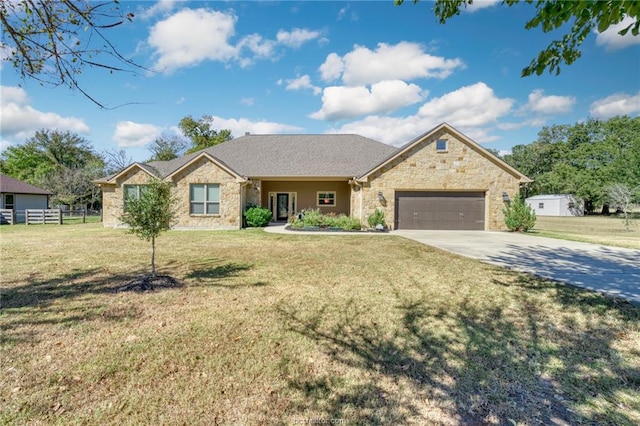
(15, 186)
(461, 137)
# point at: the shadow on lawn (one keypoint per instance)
(478, 365)
(206, 275)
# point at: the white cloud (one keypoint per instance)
(541, 104)
(302, 83)
(192, 36)
(130, 134)
(403, 61)
(340, 102)
(240, 126)
(610, 38)
(469, 106)
(159, 8)
(247, 101)
(332, 67)
(20, 120)
(616, 104)
(481, 4)
(471, 109)
(296, 37)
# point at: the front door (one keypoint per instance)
(282, 202)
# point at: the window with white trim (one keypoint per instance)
(441, 145)
(204, 198)
(326, 198)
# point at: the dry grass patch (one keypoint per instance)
(607, 230)
(280, 328)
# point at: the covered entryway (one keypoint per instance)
(439, 210)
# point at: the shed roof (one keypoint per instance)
(549, 197)
(15, 186)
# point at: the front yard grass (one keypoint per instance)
(607, 230)
(279, 329)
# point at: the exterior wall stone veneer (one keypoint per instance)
(422, 168)
(113, 196)
(205, 171)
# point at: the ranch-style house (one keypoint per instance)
(440, 180)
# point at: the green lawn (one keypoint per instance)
(607, 230)
(278, 329)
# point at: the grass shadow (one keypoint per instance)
(483, 362)
(208, 275)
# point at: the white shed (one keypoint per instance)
(556, 205)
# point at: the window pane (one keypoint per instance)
(197, 193)
(213, 192)
(130, 192)
(197, 208)
(8, 199)
(213, 208)
(441, 145)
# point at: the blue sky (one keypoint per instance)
(389, 73)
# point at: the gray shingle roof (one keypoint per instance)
(291, 156)
(15, 186)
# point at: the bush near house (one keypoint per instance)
(315, 219)
(518, 216)
(257, 216)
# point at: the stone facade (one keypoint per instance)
(231, 205)
(461, 167)
(201, 171)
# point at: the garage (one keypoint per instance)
(439, 210)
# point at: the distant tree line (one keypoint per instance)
(586, 159)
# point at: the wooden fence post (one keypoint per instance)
(59, 217)
(84, 215)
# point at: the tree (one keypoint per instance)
(553, 14)
(582, 159)
(53, 41)
(518, 216)
(201, 134)
(150, 214)
(116, 160)
(165, 148)
(61, 162)
(622, 198)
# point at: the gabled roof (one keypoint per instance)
(301, 155)
(15, 186)
(460, 136)
(144, 167)
(260, 156)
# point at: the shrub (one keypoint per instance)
(257, 216)
(377, 218)
(518, 216)
(314, 218)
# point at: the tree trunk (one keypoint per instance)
(153, 257)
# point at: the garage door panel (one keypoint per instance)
(440, 210)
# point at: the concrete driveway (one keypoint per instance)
(610, 270)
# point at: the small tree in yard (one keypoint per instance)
(147, 216)
(621, 197)
(518, 216)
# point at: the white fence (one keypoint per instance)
(31, 216)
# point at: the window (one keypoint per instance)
(326, 199)
(541, 205)
(8, 201)
(132, 192)
(441, 145)
(205, 198)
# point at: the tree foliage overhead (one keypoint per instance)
(582, 159)
(583, 16)
(201, 134)
(53, 41)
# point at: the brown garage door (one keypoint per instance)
(439, 210)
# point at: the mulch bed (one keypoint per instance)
(149, 283)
